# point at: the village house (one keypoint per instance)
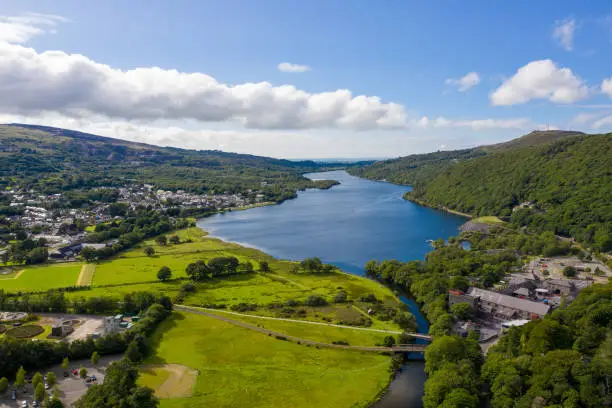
(499, 306)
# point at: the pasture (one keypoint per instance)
(238, 367)
(38, 278)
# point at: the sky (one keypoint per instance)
(308, 79)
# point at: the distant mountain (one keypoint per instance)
(52, 159)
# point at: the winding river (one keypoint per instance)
(346, 225)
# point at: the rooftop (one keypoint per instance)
(509, 301)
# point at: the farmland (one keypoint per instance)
(240, 367)
(41, 277)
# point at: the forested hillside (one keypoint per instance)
(565, 175)
(52, 160)
(418, 169)
(569, 183)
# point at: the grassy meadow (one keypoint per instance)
(243, 368)
(37, 278)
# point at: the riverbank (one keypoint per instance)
(407, 197)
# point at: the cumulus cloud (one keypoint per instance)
(293, 68)
(541, 79)
(564, 33)
(605, 122)
(72, 84)
(465, 83)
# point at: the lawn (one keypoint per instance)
(43, 277)
(488, 219)
(87, 274)
(242, 368)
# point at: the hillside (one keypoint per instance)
(51, 160)
(418, 169)
(535, 138)
(569, 183)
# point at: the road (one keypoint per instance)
(397, 349)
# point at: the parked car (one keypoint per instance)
(24, 404)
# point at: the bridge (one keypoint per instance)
(402, 348)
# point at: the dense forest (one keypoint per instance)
(560, 361)
(54, 160)
(566, 179)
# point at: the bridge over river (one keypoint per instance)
(223, 315)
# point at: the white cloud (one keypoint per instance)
(293, 68)
(583, 118)
(19, 29)
(465, 83)
(603, 122)
(564, 33)
(474, 124)
(606, 87)
(541, 79)
(74, 85)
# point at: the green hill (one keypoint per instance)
(52, 160)
(569, 182)
(417, 169)
(566, 175)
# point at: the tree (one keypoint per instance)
(65, 363)
(39, 392)
(174, 239)
(569, 271)
(264, 266)
(54, 401)
(83, 372)
(389, 341)
(161, 240)
(164, 273)
(95, 358)
(4, 384)
(133, 352)
(197, 271)
(20, 377)
(89, 254)
(37, 379)
(462, 311)
(37, 256)
(149, 251)
(51, 379)
(247, 267)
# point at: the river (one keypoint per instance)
(347, 226)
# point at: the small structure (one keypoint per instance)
(560, 286)
(61, 328)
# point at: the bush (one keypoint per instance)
(25, 332)
(569, 272)
(369, 298)
(244, 307)
(2, 328)
(341, 297)
(315, 300)
(389, 341)
(340, 342)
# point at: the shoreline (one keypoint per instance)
(436, 207)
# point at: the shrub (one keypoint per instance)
(341, 297)
(315, 300)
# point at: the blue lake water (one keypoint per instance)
(347, 226)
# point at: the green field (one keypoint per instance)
(242, 368)
(42, 277)
(323, 334)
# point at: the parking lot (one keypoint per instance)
(70, 388)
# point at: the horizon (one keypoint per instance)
(342, 79)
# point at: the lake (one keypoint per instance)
(347, 226)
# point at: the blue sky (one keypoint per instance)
(408, 55)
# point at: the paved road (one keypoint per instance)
(399, 349)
